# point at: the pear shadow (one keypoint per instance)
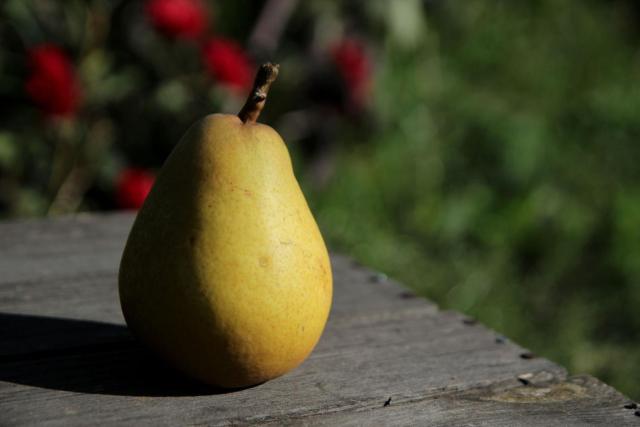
(86, 357)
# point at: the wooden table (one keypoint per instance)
(386, 357)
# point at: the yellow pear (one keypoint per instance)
(225, 273)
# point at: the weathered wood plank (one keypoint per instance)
(85, 384)
(577, 401)
(66, 356)
(359, 362)
(67, 247)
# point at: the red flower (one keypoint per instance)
(178, 18)
(52, 84)
(355, 68)
(132, 187)
(228, 63)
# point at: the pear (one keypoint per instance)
(225, 274)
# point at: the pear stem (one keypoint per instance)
(266, 75)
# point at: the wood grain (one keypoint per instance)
(66, 357)
(578, 401)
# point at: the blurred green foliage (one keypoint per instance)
(495, 169)
(504, 181)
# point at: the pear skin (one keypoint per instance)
(225, 273)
